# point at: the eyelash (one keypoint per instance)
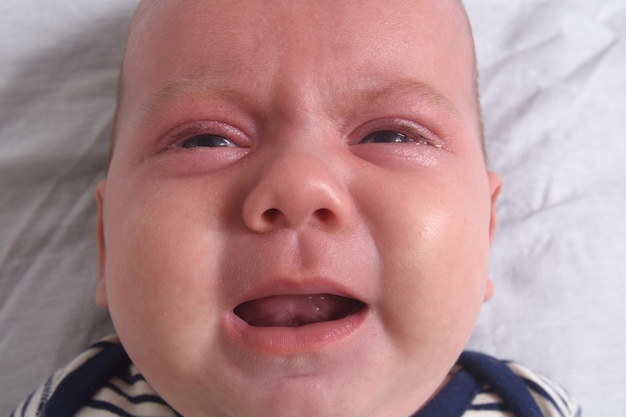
(416, 134)
(177, 139)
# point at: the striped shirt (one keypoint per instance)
(102, 381)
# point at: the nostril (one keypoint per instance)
(324, 215)
(274, 217)
(271, 215)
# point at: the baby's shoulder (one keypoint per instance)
(99, 381)
(510, 386)
(37, 402)
(483, 386)
(552, 399)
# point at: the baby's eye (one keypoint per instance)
(390, 136)
(385, 136)
(207, 141)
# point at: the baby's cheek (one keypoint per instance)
(161, 263)
(163, 297)
(432, 272)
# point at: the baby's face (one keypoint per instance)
(297, 216)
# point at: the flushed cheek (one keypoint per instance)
(160, 275)
(434, 257)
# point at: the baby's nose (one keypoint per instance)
(296, 190)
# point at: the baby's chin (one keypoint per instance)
(343, 380)
(313, 396)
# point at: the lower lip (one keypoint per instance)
(290, 340)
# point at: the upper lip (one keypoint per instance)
(306, 286)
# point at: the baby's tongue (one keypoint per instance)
(296, 310)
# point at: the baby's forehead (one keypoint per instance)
(200, 47)
(397, 12)
(274, 27)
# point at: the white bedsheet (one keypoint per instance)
(553, 85)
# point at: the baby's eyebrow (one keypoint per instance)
(412, 90)
(194, 87)
(204, 87)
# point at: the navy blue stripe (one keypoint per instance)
(490, 407)
(132, 380)
(539, 390)
(72, 393)
(139, 399)
(26, 404)
(102, 405)
(454, 398)
(511, 388)
(44, 396)
(103, 344)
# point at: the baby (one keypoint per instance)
(296, 220)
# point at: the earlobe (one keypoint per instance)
(101, 298)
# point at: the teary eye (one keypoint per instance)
(207, 141)
(391, 136)
(385, 136)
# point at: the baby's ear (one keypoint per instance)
(495, 186)
(101, 298)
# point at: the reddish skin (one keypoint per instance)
(299, 205)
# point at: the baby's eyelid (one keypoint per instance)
(181, 137)
(413, 132)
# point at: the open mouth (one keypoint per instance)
(297, 310)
